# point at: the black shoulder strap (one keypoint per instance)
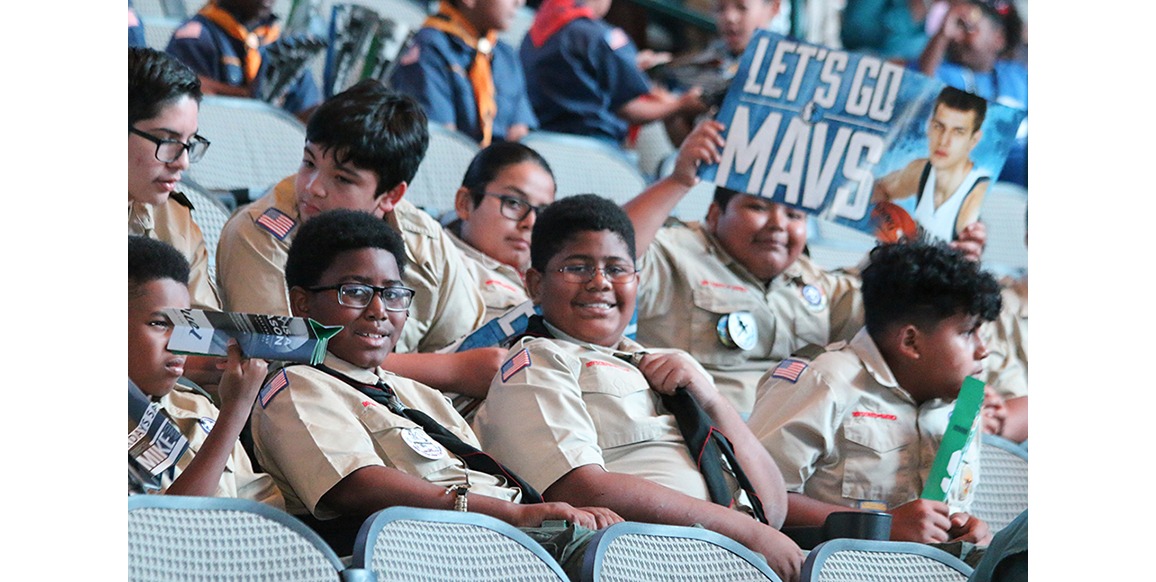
(473, 457)
(922, 182)
(182, 200)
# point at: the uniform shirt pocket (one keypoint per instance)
(387, 434)
(620, 403)
(712, 304)
(879, 454)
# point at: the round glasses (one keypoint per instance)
(616, 274)
(359, 295)
(515, 208)
(170, 150)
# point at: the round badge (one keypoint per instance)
(738, 330)
(814, 297)
(422, 444)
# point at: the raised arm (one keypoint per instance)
(468, 372)
(649, 210)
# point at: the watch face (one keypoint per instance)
(738, 330)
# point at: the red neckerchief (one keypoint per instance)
(553, 15)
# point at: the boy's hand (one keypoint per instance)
(782, 554)
(972, 240)
(921, 520)
(241, 379)
(994, 412)
(969, 528)
(667, 372)
(532, 515)
(476, 368)
(703, 145)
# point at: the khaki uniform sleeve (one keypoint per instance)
(251, 268)
(535, 420)
(175, 225)
(796, 422)
(846, 305)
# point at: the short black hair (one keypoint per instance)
(563, 220)
(331, 233)
(374, 129)
(490, 162)
(151, 260)
(156, 79)
(961, 100)
(924, 283)
(723, 196)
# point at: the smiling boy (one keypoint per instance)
(582, 412)
(340, 438)
(859, 426)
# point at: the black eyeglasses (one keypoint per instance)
(616, 274)
(515, 208)
(359, 295)
(170, 150)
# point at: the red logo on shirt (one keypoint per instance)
(501, 284)
(865, 414)
(718, 285)
(607, 364)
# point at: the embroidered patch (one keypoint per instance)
(617, 39)
(607, 364)
(879, 415)
(789, 370)
(190, 30)
(272, 387)
(368, 403)
(276, 222)
(207, 424)
(516, 364)
(814, 297)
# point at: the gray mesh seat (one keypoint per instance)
(640, 552)
(585, 165)
(171, 537)
(254, 145)
(1001, 493)
(409, 544)
(210, 214)
(1004, 211)
(440, 174)
(850, 560)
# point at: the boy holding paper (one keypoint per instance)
(215, 464)
(860, 425)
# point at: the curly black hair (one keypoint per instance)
(925, 283)
(331, 233)
(150, 260)
(563, 220)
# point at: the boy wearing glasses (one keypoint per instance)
(340, 438)
(582, 413)
(163, 100)
(363, 147)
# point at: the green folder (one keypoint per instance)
(269, 337)
(946, 469)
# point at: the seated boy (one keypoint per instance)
(342, 439)
(215, 464)
(586, 416)
(362, 148)
(859, 426)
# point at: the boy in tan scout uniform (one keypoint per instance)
(583, 413)
(860, 425)
(215, 463)
(163, 99)
(363, 147)
(338, 437)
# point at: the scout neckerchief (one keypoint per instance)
(450, 21)
(473, 458)
(707, 445)
(252, 39)
(553, 15)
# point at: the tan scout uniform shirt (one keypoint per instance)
(688, 282)
(577, 404)
(173, 223)
(251, 270)
(845, 433)
(1006, 338)
(501, 285)
(195, 416)
(317, 430)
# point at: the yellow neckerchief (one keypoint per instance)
(253, 39)
(450, 21)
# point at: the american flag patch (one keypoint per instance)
(789, 370)
(276, 222)
(515, 364)
(272, 387)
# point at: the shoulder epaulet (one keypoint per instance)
(182, 200)
(808, 352)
